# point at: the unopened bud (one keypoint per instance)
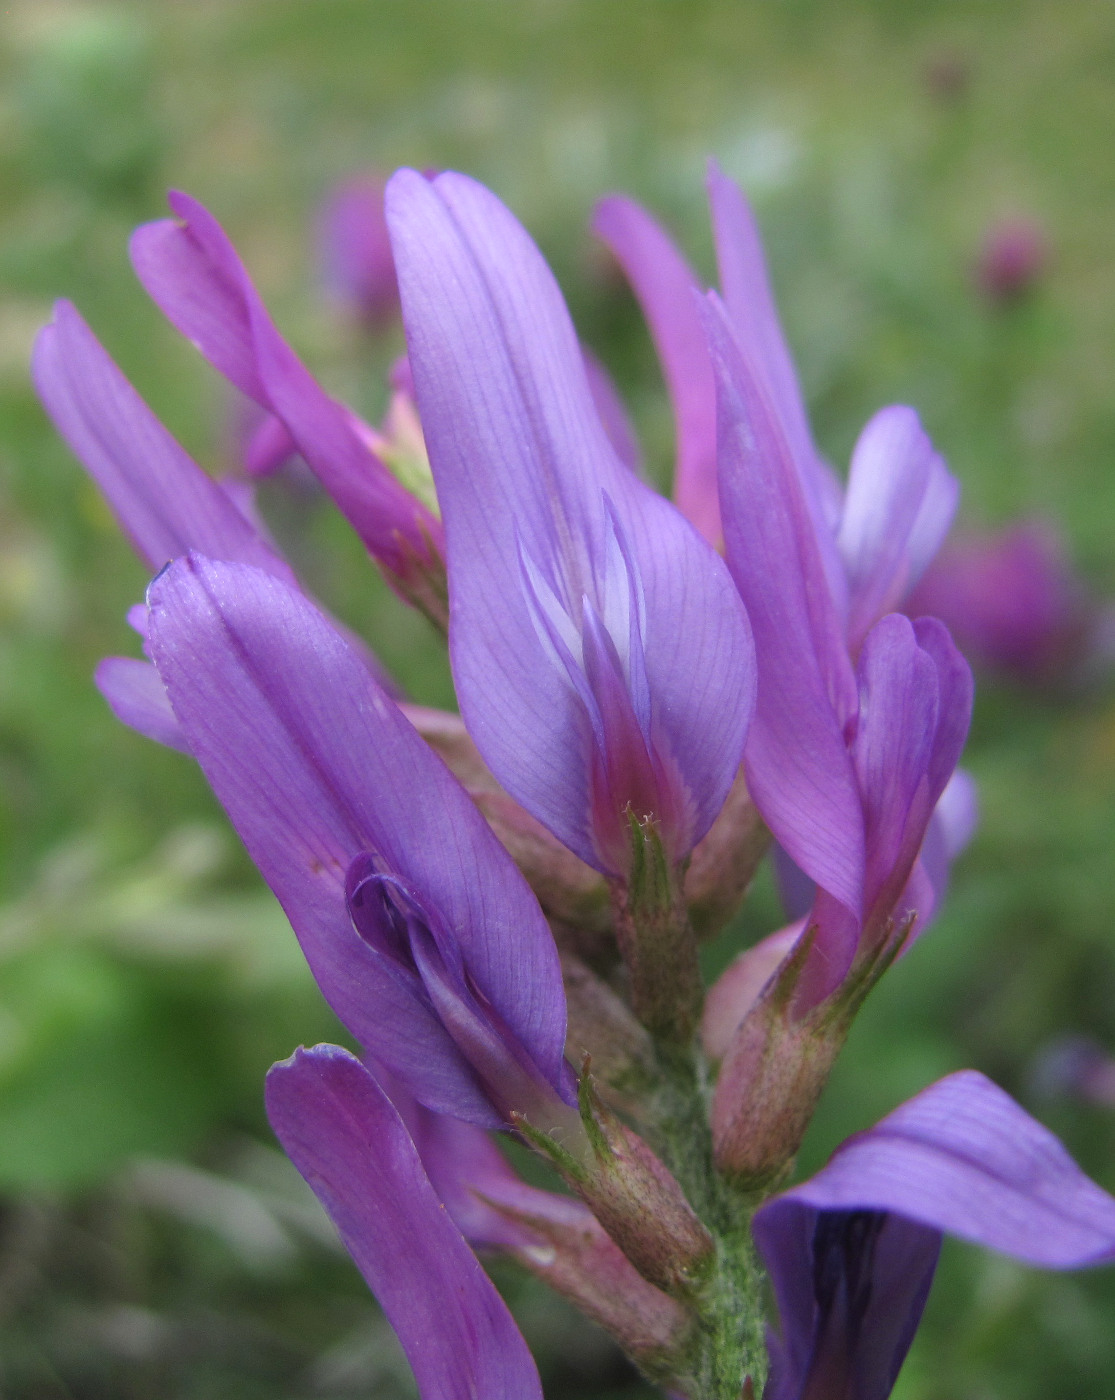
(641, 1205)
(779, 1059)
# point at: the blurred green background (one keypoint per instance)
(152, 1240)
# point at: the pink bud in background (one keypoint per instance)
(355, 251)
(1013, 255)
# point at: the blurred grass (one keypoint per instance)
(145, 980)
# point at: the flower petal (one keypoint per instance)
(798, 769)
(164, 501)
(193, 273)
(345, 1137)
(745, 286)
(315, 766)
(540, 514)
(613, 414)
(853, 1338)
(665, 285)
(138, 698)
(964, 1158)
(893, 751)
(897, 509)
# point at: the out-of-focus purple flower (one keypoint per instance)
(603, 664)
(345, 1137)
(193, 273)
(852, 1252)
(355, 250)
(419, 929)
(1013, 604)
(1012, 257)
(1075, 1067)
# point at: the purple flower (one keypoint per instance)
(851, 1252)
(602, 660)
(345, 1137)
(845, 762)
(415, 922)
(1013, 604)
(192, 272)
(355, 250)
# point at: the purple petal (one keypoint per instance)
(745, 285)
(138, 698)
(613, 414)
(342, 1133)
(799, 772)
(664, 284)
(192, 272)
(164, 501)
(541, 519)
(316, 767)
(962, 1157)
(956, 689)
(893, 751)
(851, 1288)
(899, 502)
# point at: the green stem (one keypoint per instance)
(730, 1341)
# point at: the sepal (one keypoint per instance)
(656, 939)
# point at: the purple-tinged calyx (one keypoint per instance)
(851, 1252)
(193, 273)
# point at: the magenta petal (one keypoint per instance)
(315, 766)
(138, 698)
(540, 517)
(342, 1133)
(193, 273)
(798, 769)
(164, 501)
(962, 1157)
(897, 509)
(665, 284)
